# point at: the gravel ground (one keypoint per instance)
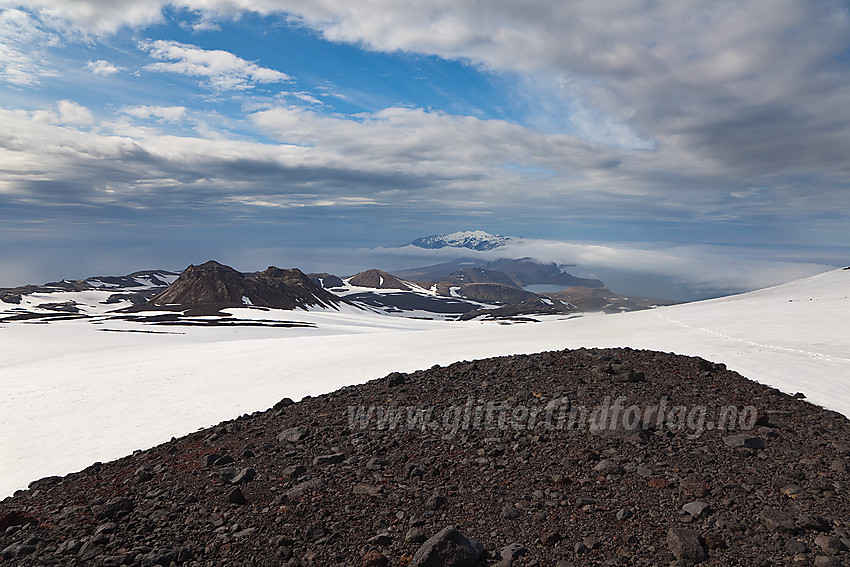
(581, 457)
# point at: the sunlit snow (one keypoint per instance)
(74, 392)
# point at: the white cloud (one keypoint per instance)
(72, 113)
(94, 17)
(165, 113)
(101, 67)
(67, 113)
(755, 88)
(23, 45)
(223, 69)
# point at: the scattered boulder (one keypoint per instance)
(696, 509)
(115, 508)
(294, 434)
(375, 558)
(686, 545)
(235, 496)
(448, 548)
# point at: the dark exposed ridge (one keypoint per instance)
(308, 481)
(377, 279)
(215, 284)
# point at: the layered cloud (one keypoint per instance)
(101, 67)
(23, 42)
(672, 113)
(222, 69)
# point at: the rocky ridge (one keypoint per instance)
(425, 477)
(214, 284)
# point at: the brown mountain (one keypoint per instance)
(214, 284)
(377, 279)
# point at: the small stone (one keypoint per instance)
(107, 528)
(227, 474)
(394, 379)
(294, 434)
(331, 459)
(827, 561)
(685, 545)
(293, 472)
(368, 489)
(579, 548)
(435, 502)
(143, 474)
(607, 466)
(811, 522)
(415, 535)
(116, 508)
(69, 547)
(513, 551)
(624, 514)
(235, 496)
(696, 509)
(591, 543)
(693, 487)
(796, 546)
(303, 488)
(448, 548)
(374, 558)
(161, 557)
(643, 471)
(714, 541)
(381, 539)
(777, 521)
(829, 543)
(510, 512)
(245, 475)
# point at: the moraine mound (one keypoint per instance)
(523, 455)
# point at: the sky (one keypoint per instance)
(699, 140)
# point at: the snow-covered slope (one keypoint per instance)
(471, 239)
(71, 393)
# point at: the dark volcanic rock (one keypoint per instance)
(377, 279)
(686, 545)
(217, 285)
(449, 548)
(516, 452)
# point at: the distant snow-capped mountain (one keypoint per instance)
(471, 239)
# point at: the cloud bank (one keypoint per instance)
(714, 122)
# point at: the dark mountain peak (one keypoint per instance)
(377, 279)
(326, 280)
(212, 265)
(285, 273)
(213, 283)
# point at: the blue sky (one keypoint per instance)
(318, 133)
